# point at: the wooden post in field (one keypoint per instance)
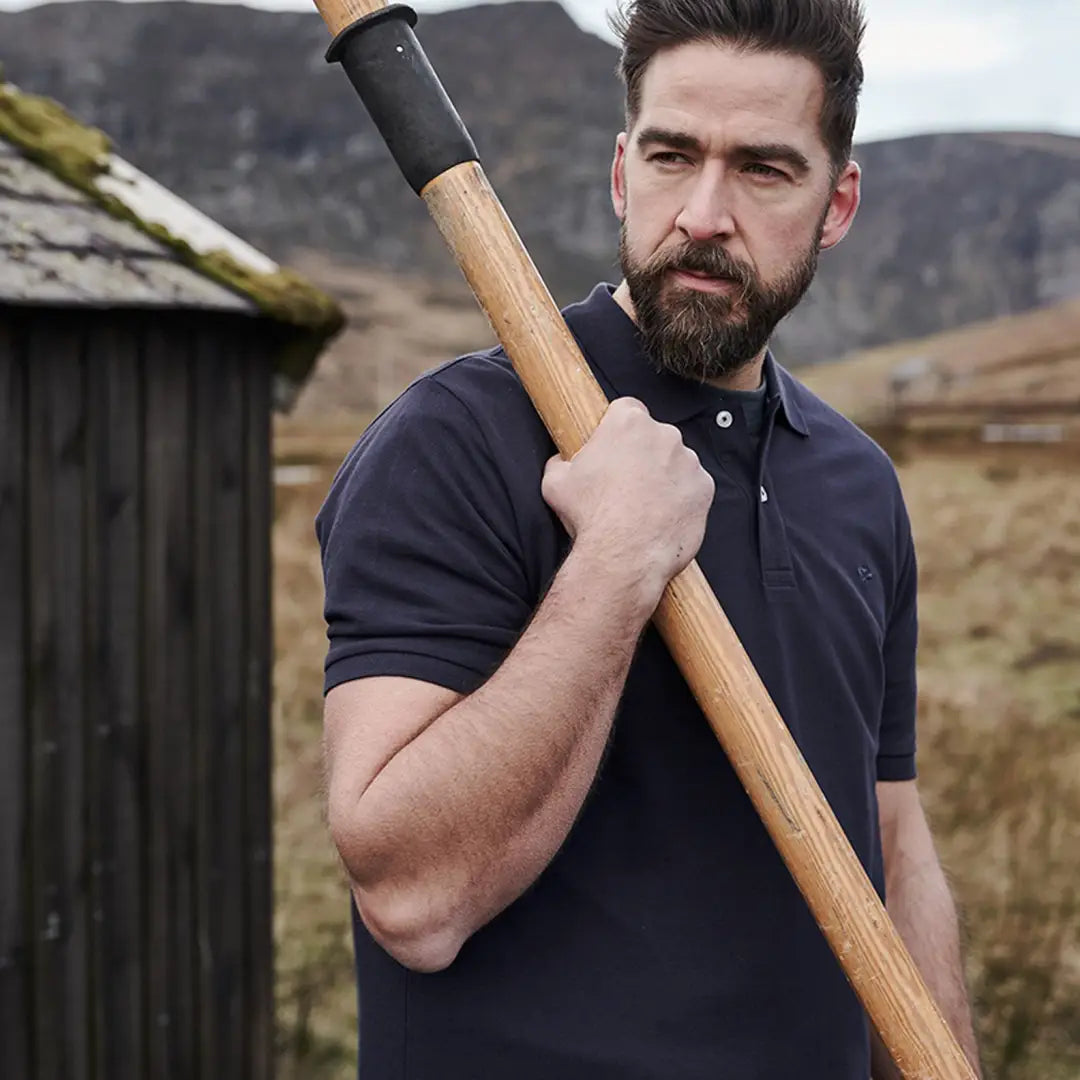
(386, 64)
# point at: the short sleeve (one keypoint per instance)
(896, 743)
(422, 563)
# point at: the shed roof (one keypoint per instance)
(80, 226)
(58, 247)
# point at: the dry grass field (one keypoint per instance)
(998, 534)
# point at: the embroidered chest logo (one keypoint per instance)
(865, 574)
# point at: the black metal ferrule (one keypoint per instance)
(401, 91)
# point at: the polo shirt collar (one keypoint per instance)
(612, 344)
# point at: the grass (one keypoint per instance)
(998, 536)
(999, 542)
(314, 986)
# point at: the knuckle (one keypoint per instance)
(702, 487)
(671, 435)
(625, 408)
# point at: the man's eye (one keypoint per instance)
(756, 168)
(669, 157)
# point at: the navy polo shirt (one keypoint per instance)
(666, 939)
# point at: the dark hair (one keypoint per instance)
(827, 32)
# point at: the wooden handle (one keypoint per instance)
(518, 305)
(337, 14)
(702, 641)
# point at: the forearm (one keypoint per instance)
(466, 816)
(921, 907)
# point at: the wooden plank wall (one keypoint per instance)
(135, 653)
(15, 933)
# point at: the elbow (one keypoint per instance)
(407, 927)
(411, 915)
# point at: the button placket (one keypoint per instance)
(732, 464)
(777, 571)
(730, 437)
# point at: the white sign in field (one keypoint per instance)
(1023, 433)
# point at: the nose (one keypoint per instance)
(706, 214)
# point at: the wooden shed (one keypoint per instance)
(142, 351)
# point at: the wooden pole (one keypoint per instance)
(702, 641)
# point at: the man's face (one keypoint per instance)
(726, 194)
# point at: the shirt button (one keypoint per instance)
(724, 419)
(764, 495)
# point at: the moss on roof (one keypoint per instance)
(76, 153)
(49, 135)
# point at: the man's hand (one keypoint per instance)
(635, 496)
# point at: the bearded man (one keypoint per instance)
(555, 871)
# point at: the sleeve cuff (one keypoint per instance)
(896, 767)
(431, 669)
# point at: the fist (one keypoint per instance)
(635, 496)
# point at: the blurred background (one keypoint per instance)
(947, 325)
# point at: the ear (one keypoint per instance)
(843, 206)
(618, 177)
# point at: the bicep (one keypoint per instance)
(366, 722)
(424, 574)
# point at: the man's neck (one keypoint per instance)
(748, 377)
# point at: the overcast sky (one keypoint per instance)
(932, 65)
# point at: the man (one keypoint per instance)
(555, 870)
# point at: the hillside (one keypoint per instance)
(1018, 364)
(398, 326)
(237, 111)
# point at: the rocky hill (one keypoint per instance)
(237, 111)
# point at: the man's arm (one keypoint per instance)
(446, 809)
(921, 907)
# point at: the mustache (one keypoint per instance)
(710, 259)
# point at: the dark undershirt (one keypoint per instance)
(752, 403)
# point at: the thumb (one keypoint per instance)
(554, 471)
(551, 488)
(555, 463)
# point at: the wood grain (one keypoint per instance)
(121, 794)
(337, 14)
(256, 655)
(15, 925)
(517, 304)
(167, 678)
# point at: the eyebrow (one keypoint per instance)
(795, 159)
(676, 140)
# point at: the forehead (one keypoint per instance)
(718, 91)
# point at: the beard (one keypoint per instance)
(704, 335)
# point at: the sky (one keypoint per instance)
(931, 65)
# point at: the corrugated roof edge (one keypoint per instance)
(81, 156)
